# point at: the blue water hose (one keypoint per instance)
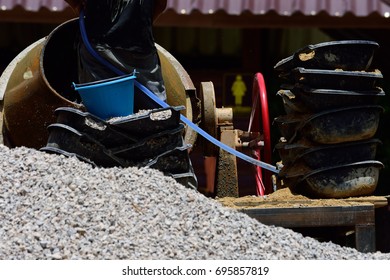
(151, 95)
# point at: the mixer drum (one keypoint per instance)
(41, 82)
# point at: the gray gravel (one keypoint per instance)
(52, 207)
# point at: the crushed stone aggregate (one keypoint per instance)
(54, 207)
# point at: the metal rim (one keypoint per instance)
(260, 105)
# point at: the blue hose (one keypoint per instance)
(151, 95)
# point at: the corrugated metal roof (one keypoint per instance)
(338, 8)
(282, 7)
(34, 5)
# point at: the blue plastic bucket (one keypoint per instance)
(108, 98)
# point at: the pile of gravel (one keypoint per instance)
(53, 207)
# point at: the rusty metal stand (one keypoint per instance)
(227, 177)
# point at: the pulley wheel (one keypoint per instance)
(209, 117)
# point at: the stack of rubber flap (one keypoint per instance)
(152, 138)
(330, 96)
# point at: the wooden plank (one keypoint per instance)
(314, 216)
(361, 217)
(377, 201)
